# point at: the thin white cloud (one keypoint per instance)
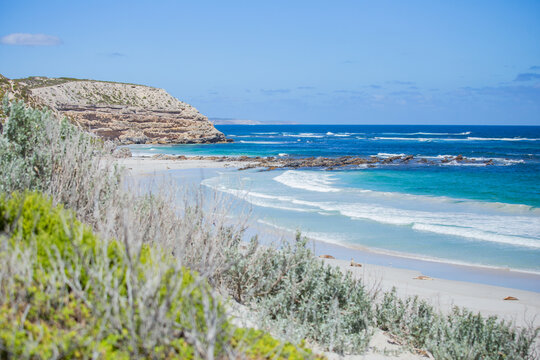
(30, 39)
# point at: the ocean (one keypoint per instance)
(454, 212)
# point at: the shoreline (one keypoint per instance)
(392, 270)
(415, 258)
(145, 166)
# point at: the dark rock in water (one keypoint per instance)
(407, 158)
(391, 159)
(343, 162)
(373, 160)
(446, 159)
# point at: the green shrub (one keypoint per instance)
(23, 163)
(458, 335)
(257, 344)
(295, 290)
(66, 293)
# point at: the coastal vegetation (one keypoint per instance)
(92, 266)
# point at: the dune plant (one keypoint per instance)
(66, 293)
(294, 290)
(461, 334)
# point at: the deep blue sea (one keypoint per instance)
(487, 215)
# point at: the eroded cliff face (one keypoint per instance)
(125, 112)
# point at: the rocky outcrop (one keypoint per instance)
(327, 163)
(125, 112)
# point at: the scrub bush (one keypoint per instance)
(294, 290)
(460, 334)
(65, 293)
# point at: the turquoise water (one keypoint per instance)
(456, 213)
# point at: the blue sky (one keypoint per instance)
(364, 62)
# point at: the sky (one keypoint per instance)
(316, 62)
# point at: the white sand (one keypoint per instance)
(443, 294)
(148, 166)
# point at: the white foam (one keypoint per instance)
(387, 155)
(304, 135)
(508, 224)
(256, 198)
(512, 230)
(310, 181)
(512, 162)
(457, 163)
(403, 139)
(500, 139)
(263, 142)
(478, 235)
(332, 238)
(427, 133)
(510, 209)
(515, 230)
(453, 139)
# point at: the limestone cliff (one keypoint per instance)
(125, 112)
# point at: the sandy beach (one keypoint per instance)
(147, 166)
(441, 293)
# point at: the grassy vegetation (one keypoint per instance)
(65, 293)
(293, 290)
(458, 335)
(34, 82)
(92, 267)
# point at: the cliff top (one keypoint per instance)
(59, 92)
(34, 82)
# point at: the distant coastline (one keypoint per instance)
(233, 121)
